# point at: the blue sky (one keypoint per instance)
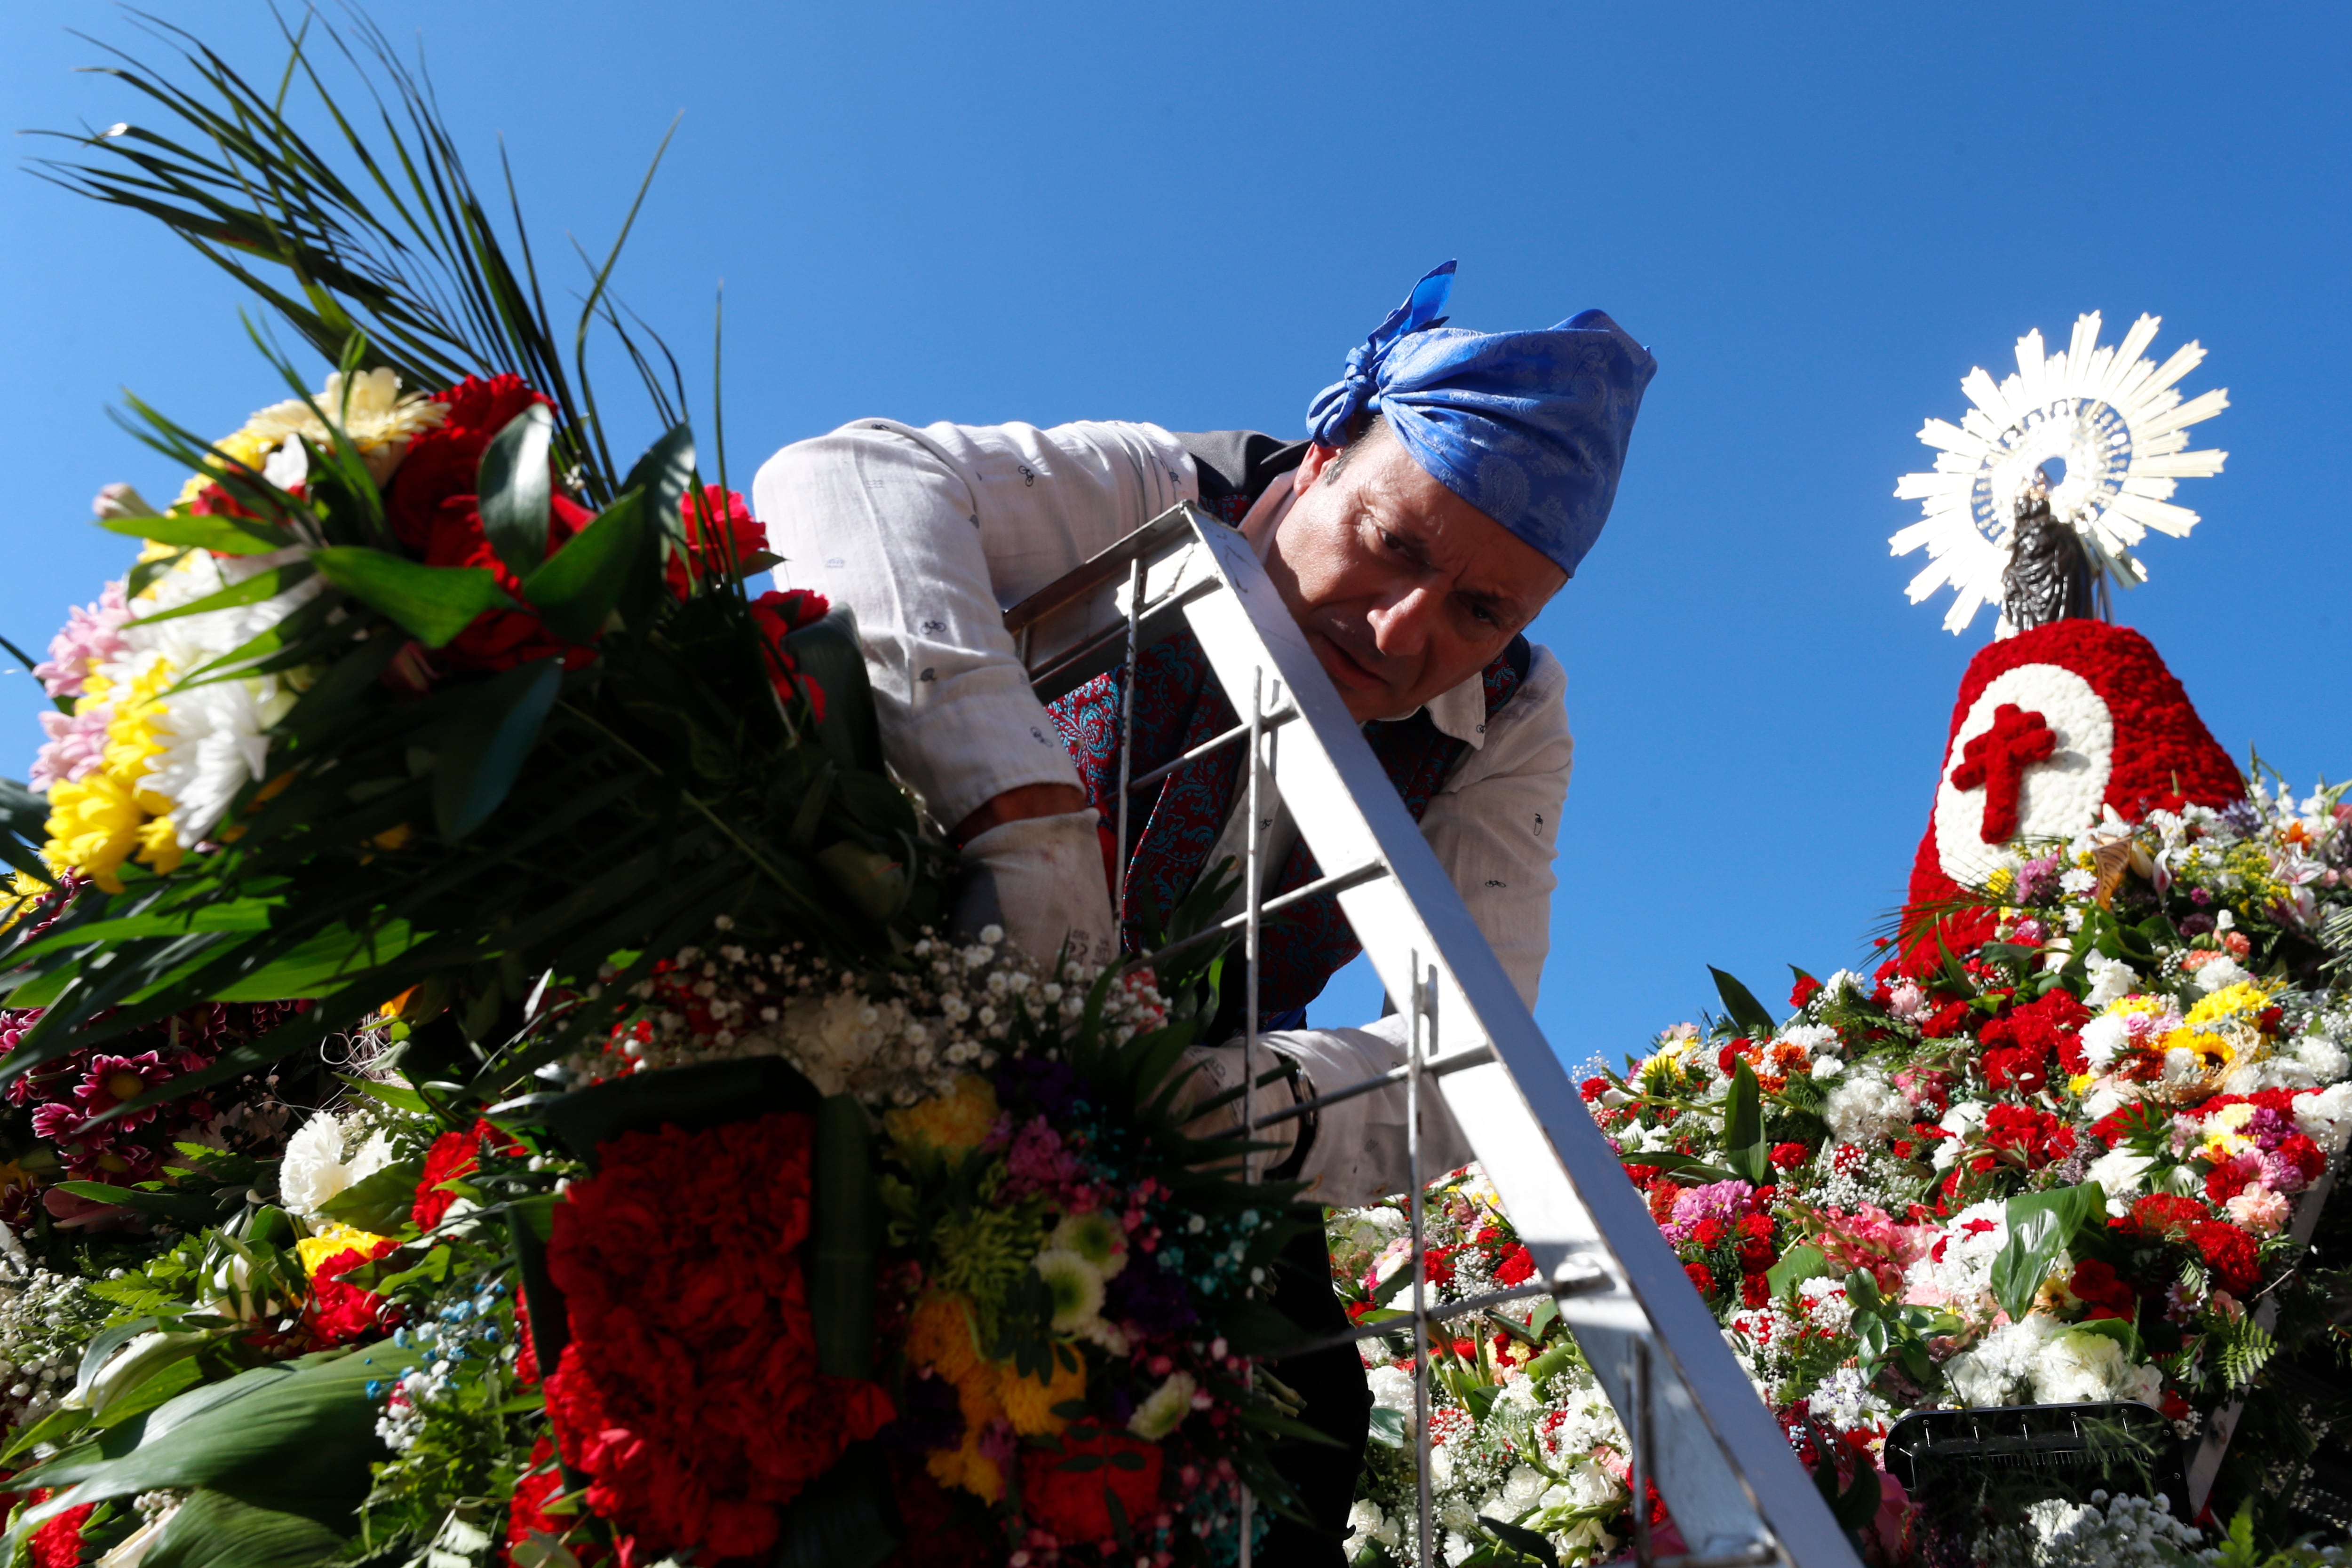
(1819, 217)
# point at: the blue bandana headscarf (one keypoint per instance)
(1529, 427)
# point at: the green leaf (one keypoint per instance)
(300, 1434)
(432, 603)
(1744, 1148)
(1388, 1425)
(261, 585)
(487, 744)
(23, 817)
(662, 476)
(1678, 1165)
(582, 583)
(516, 482)
(1741, 1004)
(2041, 1225)
(1524, 1541)
(188, 1211)
(53, 1429)
(220, 535)
(317, 964)
(2117, 1329)
(846, 1216)
(381, 1202)
(1796, 1266)
(214, 1530)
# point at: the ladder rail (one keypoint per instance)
(1734, 1485)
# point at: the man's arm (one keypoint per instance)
(929, 535)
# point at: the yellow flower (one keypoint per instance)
(249, 447)
(331, 1239)
(940, 1337)
(2223, 1146)
(93, 826)
(2001, 883)
(2080, 1084)
(2241, 1000)
(1029, 1404)
(2231, 1118)
(965, 1466)
(2126, 1006)
(2215, 1051)
(958, 1119)
(20, 893)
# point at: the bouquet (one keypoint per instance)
(482, 1081)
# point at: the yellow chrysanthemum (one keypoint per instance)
(958, 1119)
(965, 1466)
(1029, 1404)
(249, 447)
(93, 826)
(2223, 1146)
(132, 736)
(330, 1239)
(18, 893)
(2243, 999)
(940, 1337)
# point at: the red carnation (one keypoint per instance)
(690, 1394)
(1592, 1089)
(453, 1156)
(1788, 1156)
(777, 616)
(2165, 1215)
(339, 1314)
(1755, 1288)
(1701, 1280)
(528, 1516)
(2229, 1252)
(1517, 1268)
(2095, 1284)
(1073, 1504)
(1948, 1022)
(2307, 1156)
(1805, 991)
(2037, 1136)
(57, 1543)
(720, 534)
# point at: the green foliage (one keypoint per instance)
(2041, 1225)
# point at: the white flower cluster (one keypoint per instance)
(903, 1039)
(462, 1344)
(2061, 1364)
(1959, 1272)
(46, 1323)
(326, 1156)
(1865, 1109)
(1529, 1462)
(2119, 1531)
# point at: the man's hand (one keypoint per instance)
(1038, 875)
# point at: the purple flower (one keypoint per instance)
(1723, 1200)
(1153, 1301)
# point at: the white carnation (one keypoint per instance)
(1866, 1108)
(2325, 1118)
(2112, 979)
(2321, 1057)
(2222, 972)
(2102, 1037)
(1815, 1037)
(2081, 1367)
(312, 1172)
(2122, 1173)
(1988, 1375)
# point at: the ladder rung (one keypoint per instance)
(1582, 1283)
(1108, 650)
(1370, 870)
(1435, 1067)
(1280, 716)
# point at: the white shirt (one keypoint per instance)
(931, 534)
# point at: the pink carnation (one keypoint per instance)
(91, 635)
(2261, 1210)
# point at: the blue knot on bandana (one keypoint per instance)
(1529, 427)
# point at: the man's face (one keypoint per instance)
(1403, 588)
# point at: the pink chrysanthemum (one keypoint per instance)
(91, 635)
(112, 1081)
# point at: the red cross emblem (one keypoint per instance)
(1996, 762)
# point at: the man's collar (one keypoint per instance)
(1461, 711)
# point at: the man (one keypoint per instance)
(1450, 485)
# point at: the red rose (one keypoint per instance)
(690, 1394)
(2229, 1252)
(453, 1156)
(1073, 1504)
(1701, 1280)
(339, 1314)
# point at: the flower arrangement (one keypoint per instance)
(2067, 1144)
(481, 1085)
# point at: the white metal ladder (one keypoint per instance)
(1730, 1479)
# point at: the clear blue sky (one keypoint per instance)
(1818, 216)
